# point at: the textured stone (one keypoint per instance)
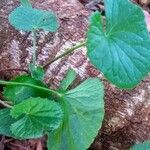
(127, 112)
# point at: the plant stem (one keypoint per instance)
(14, 69)
(31, 85)
(34, 47)
(5, 104)
(68, 51)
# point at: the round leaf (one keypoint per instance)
(35, 115)
(29, 19)
(83, 116)
(121, 50)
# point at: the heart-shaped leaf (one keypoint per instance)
(121, 49)
(35, 115)
(29, 19)
(83, 115)
(18, 93)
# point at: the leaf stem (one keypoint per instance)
(31, 85)
(5, 104)
(68, 51)
(34, 47)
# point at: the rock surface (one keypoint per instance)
(127, 112)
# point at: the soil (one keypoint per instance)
(127, 113)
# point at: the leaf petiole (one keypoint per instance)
(31, 85)
(5, 104)
(68, 51)
(34, 47)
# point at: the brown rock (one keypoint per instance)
(127, 112)
(145, 2)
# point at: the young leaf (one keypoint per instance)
(17, 94)
(142, 146)
(37, 72)
(67, 81)
(35, 115)
(121, 50)
(6, 121)
(83, 115)
(29, 19)
(26, 3)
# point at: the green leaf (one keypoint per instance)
(83, 115)
(37, 72)
(29, 19)
(142, 146)
(121, 49)
(35, 115)
(67, 81)
(17, 93)
(26, 3)
(6, 121)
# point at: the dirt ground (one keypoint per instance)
(127, 112)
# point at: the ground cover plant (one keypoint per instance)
(117, 46)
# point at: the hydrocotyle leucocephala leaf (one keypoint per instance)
(29, 19)
(83, 115)
(121, 49)
(35, 115)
